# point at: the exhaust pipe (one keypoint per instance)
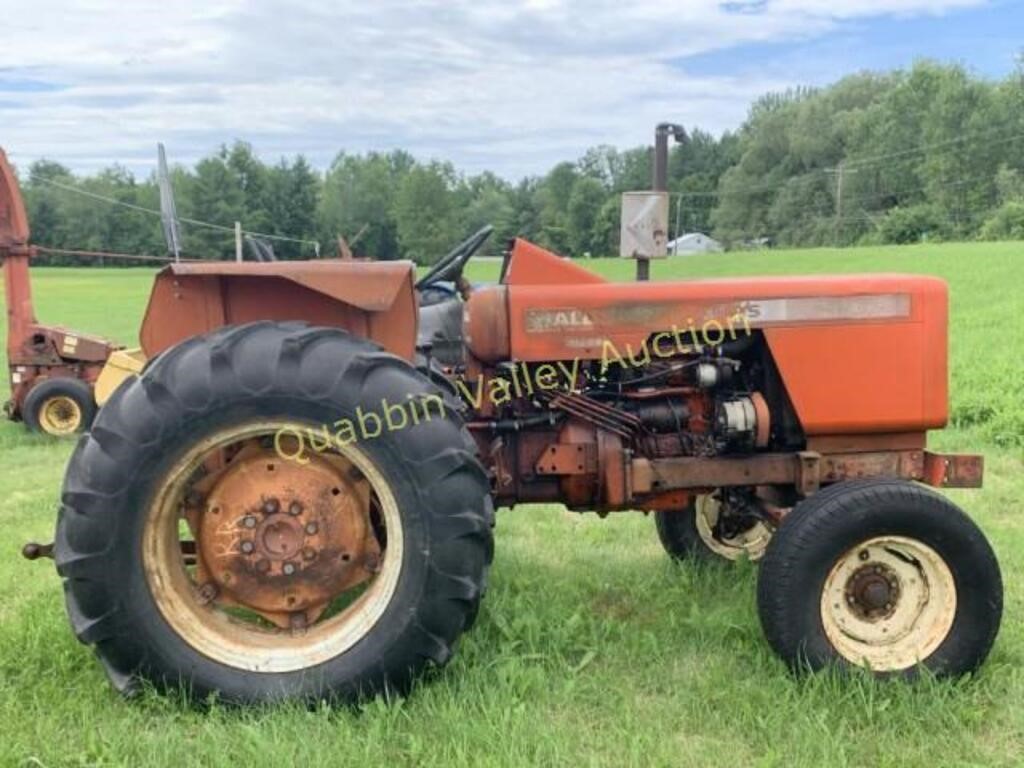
(660, 177)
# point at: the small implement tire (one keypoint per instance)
(59, 407)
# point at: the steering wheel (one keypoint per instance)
(450, 267)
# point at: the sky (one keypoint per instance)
(512, 86)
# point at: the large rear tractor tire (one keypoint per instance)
(60, 407)
(692, 534)
(222, 533)
(881, 574)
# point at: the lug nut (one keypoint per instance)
(863, 554)
(312, 528)
(207, 593)
(295, 509)
(249, 521)
(288, 569)
(309, 553)
(271, 506)
(263, 565)
(248, 547)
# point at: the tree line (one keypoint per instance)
(929, 153)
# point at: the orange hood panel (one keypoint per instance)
(858, 353)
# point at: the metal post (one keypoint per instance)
(238, 241)
(839, 202)
(679, 217)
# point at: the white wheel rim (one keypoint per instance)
(919, 595)
(751, 543)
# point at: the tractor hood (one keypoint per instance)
(856, 352)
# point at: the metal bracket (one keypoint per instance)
(808, 472)
(567, 459)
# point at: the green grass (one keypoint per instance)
(591, 648)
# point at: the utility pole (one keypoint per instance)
(840, 172)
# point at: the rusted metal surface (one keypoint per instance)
(805, 470)
(15, 253)
(282, 538)
(712, 472)
(907, 464)
(807, 476)
(279, 543)
(372, 299)
(486, 324)
(898, 441)
(14, 230)
(587, 409)
(35, 351)
(945, 470)
(568, 459)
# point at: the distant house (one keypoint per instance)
(693, 242)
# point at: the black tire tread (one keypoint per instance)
(202, 374)
(814, 521)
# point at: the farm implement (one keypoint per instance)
(56, 374)
(295, 499)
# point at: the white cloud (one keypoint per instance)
(512, 86)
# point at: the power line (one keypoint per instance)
(110, 255)
(868, 161)
(153, 212)
(874, 160)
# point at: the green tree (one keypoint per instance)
(427, 228)
(358, 199)
(584, 207)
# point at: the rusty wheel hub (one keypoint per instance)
(283, 539)
(873, 591)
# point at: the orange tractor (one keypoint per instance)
(295, 498)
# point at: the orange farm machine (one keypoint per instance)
(295, 498)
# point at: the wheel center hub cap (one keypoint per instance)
(278, 537)
(873, 591)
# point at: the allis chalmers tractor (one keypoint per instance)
(56, 374)
(295, 498)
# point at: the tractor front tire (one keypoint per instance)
(688, 534)
(202, 551)
(61, 407)
(881, 574)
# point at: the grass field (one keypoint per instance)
(592, 649)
